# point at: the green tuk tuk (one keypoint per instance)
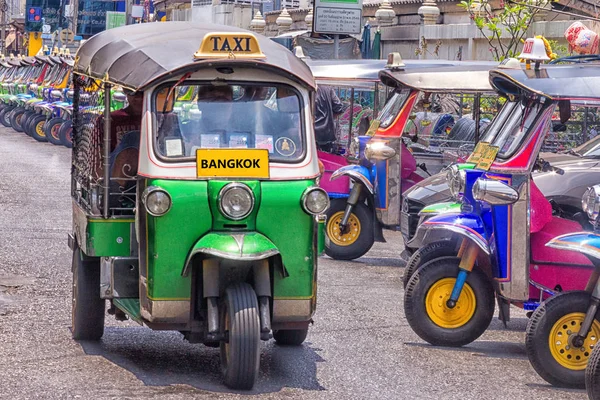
(208, 219)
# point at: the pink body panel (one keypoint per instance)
(333, 162)
(569, 269)
(541, 210)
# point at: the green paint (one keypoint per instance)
(252, 243)
(131, 307)
(108, 238)
(282, 220)
(441, 208)
(172, 236)
(465, 166)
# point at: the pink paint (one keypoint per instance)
(333, 162)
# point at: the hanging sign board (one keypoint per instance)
(342, 17)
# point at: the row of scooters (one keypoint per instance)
(36, 96)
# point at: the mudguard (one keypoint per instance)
(467, 225)
(250, 246)
(440, 208)
(582, 242)
(356, 172)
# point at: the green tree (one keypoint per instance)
(504, 29)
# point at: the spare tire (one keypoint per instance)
(462, 131)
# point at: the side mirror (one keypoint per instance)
(119, 96)
(494, 192)
(379, 151)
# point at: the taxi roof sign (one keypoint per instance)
(229, 45)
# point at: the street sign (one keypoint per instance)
(338, 16)
(115, 19)
(66, 36)
(34, 14)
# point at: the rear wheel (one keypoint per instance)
(25, 121)
(16, 118)
(65, 133)
(5, 116)
(52, 129)
(425, 304)
(548, 339)
(425, 254)
(87, 318)
(358, 238)
(240, 353)
(37, 128)
(292, 337)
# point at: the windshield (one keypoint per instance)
(392, 107)
(510, 127)
(255, 116)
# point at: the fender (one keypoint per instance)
(467, 225)
(356, 172)
(440, 208)
(243, 246)
(583, 242)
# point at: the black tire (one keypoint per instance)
(5, 116)
(52, 130)
(425, 254)
(87, 318)
(25, 121)
(462, 131)
(435, 273)
(292, 337)
(65, 134)
(592, 375)
(363, 242)
(240, 356)
(546, 322)
(16, 118)
(36, 127)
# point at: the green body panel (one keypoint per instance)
(441, 208)
(282, 219)
(131, 307)
(191, 223)
(109, 238)
(219, 220)
(253, 243)
(171, 237)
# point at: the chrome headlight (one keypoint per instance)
(379, 151)
(494, 192)
(156, 200)
(315, 200)
(591, 202)
(236, 201)
(456, 181)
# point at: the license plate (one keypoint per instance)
(232, 163)
(404, 224)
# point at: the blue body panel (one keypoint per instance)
(466, 221)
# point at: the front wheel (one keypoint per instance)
(37, 128)
(65, 133)
(592, 375)
(358, 237)
(426, 310)
(51, 130)
(240, 351)
(16, 119)
(87, 318)
(431, 251)
(548, 339)
(5, 116)
(292, 337)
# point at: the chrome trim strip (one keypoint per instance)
(578, 247)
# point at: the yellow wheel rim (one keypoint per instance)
(333, 229)
(39, 129)
(438, 311)
(570, 357)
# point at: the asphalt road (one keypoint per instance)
(360, 346)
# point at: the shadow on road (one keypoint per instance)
(165, 359)
(484, 348)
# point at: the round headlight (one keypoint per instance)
(456, 181)
(591, 202)
(315, 200)
(157, 201)
(236, 201)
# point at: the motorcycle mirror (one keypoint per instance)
(564, 108)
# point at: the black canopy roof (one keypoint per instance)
(448, 76)
(135, 56)
(579, 81)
